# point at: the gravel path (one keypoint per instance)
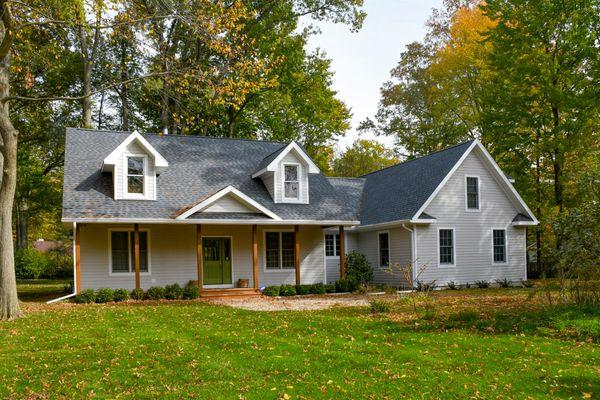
(264, 303)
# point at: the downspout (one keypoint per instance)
(74, 272)
(413, 246)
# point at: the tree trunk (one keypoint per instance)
(123, 93)
(22, 228)
(164, 106)
(9, 302)
(87, 90)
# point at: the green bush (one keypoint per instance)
(68, 287)
(527, 284)
(137, 294)
(482, 284)
(452, 285)
(504, 283)
(303, 289)
(330, 288)
(346, 285)
(105, 295)
(317, 288)
(155, 293)
(173, 292)
(358, 268)
(379, 307)
(287, 290)
(86, 296)
(121, 295)
(30, 264)
(191, 292)
(271, 291)
(467, 285)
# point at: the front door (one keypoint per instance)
(216, 261)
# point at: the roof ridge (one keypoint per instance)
(181, 136)
(418, 158)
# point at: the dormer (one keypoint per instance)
(285, 174)
(134, 165)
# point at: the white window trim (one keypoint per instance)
(379, 250)
(478, 209)
(505, 262)
(335, 242)
(110, 271)
(445, 265)
(135, 196)
(225, 285)
(299, 177)
(275, 270)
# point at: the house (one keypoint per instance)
(151, 210)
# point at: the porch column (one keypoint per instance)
(199, 254)
(342, 253)
(136, 254)
(254, 257)
(77, 258)
(297, 252)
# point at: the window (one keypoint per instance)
(472, 189)
(499, 243)
(135, 175)
(123, 251)
(291, 183)
(446, 240)
(332, 245)
(280, 250)
(384, 249)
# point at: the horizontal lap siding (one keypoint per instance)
(472, 230)
(333, 263)
(400, 254)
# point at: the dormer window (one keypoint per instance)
(291, 183)
(136, 166)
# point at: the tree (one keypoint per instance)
(363, 157)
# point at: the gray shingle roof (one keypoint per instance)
(198, 166)
(397, 192)
(268, 159)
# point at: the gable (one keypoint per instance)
(229, 204)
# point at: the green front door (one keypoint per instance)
(217, 260)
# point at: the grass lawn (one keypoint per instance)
(478, 344)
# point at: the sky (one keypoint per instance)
(361, 61)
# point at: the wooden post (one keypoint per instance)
(342, 254)
(77, 259)
(136, 254)
(199, 253)
(254, 257)
(297, 252)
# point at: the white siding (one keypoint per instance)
(227, 204)
(333, 263)
(119, 174)
(279, 176)
(472, 230)
(173, 256)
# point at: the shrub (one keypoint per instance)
(86, 296)
(379, 307)
(173, 292)
(105, 295)
(424, 286)
(271, 291)
(346, 285)
(358, 268)
(30, 264)
(467, 285)
(120, 295)
(287, 290)
(191, 292)
(303, 289)
(482, 284)
(68, 287)
(317, 288)
(504, 282)
(155, 293)
(452, 285)
(137, 294)
(389, 289)
(527, 284)
(330, 288)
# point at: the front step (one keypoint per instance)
(230, 292)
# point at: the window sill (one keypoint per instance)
(446, 265)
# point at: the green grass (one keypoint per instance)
(197, 350)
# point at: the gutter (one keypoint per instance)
(74, 273)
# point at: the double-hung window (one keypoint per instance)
(472, 193)
(291, 181)
(332, 245)
(122, 251)
(135, 175)
(280, 250)
(499, 245)
(384, 249)
(446, 246)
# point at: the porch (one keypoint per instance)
(221, 259)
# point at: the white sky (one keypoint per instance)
(362, 61)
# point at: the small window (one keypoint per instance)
(499, 239)
(123, 251)
(446, 238)
(472, 193)
(384, 249)
(280, 250)
(135, 175)
(332, 245)
(291, 182)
